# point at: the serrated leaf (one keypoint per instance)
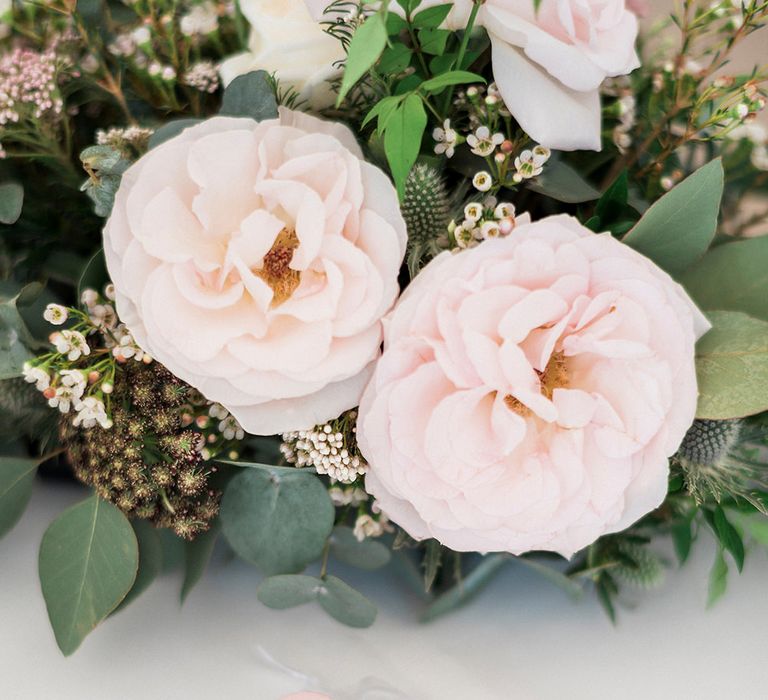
(718, 578)
(88, 562)
(732, 277)
(288, 590)
(17, 478)
(250, 95)
(11, 202)
(468, 588)
(454, 77)
(402, 139)
(561, 182)
(678, 228)
(365, 47)
(170, 129)
(732, 366)
(368, 554)
(150, 560)
(197, 555)
(277, 520)
(345, 604)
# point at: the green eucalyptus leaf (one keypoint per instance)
(565, 583)
(170, 129)
(732, 277)
(11, 202)
(402, 138)
(278, 520)
(288, 590)
(718, 579)
(250, 95)
(468, 588)
(732, 367)
(150, 560)
(368, 554)
(15, 338)
(345, 604)
(433, 559)
(94, 275)
(365, 47)
(17, 478)
(563, 183)
(88, 562)
(197, 555)
(677, 229)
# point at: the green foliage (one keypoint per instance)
(11, 202)
(367, 44)
(15, 338)
(678, 228)
(170, 129)
(197, 555)
(432, 17)
(732, 277)
(150, 560)
(433, 560)
(250, 95)
(563, 183)
(17, 477)
(105, 167)
(24, 411)
(278, 519)
(94, 274)
(88, 562)
(402, 138)
(727, 535)
(612, 211)
(732, 367)
(368, 554)
(337, 598)
(718, 578)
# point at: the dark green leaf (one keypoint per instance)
(467, 589)
(432, 17)
(454, 77)
(345, 604)
(682, 537)
(561, 182)
(88, 562)
(17, 477)
(15, 338)
(250, 95)
(433, 558)
(433, 41)
(395, 59)
(288, 590)
(368, 554)
(729, 537)
(94, 275)
(366, 46)
(613, 201)
(278, 520)
(197, 554)
(171, 129)
(11, 202)
(732, 277)
(677, 229)
(402, 138)
(150, 560)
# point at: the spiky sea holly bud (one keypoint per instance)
(707, 441)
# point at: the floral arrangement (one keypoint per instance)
(445, 286)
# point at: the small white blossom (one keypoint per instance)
(368, 526)
(71, 343)
(325, 450)
(75, 380)
(446, 139)
(37, 376)
(109, 291)
(530, 163)
(91, 412)
(473, 212)
(482, 181)
(490, 229)
(202, 19)
(483, 143)
(141, 35)
(56, 314)
(89, 298)
(63, 399)
(103, 316)
(504, 210)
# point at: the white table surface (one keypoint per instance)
(521, 639)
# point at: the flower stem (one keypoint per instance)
(463, 50)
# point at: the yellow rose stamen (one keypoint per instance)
(276, 270)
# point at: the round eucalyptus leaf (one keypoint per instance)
(288, 591)
(345, 604)
(150, 560)
(11, 202)
(17, 477)
(277, 520)
(368, 554)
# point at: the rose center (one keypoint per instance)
(276, 270)
(554, 376)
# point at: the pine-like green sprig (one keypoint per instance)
(640, 566)
(426, 209)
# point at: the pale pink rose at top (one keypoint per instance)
(549, 64)
(530, 392)
(255, 261)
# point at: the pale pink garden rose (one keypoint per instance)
(549, 64)
(255, 261)
(530, 392)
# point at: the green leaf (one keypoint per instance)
(88, 562)
(682, 537)
(454, 77)
(395, 59)
(718, 578)
(433, 41)
(11, 202)
(17, 477)
(94, 275)
(278, 520)
(563, 582)
(197, 555)
(732, 367)
(467, 589)
(170, 129)
(432, 17)
(561, 182)
(754, 524)
(677, 229)
(368, 554)
(402, 139)
(611, 204)
(366, 46)
(150, 560)
(345, 604)
(433, 558)
(383, 110)
(732, 277)
(729, 537)
(288, 590)
(250, 95)
(15, 338)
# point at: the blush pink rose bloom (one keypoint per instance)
(255, 261)
(549, 64)
(530, 392)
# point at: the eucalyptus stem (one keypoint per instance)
(324, 565)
